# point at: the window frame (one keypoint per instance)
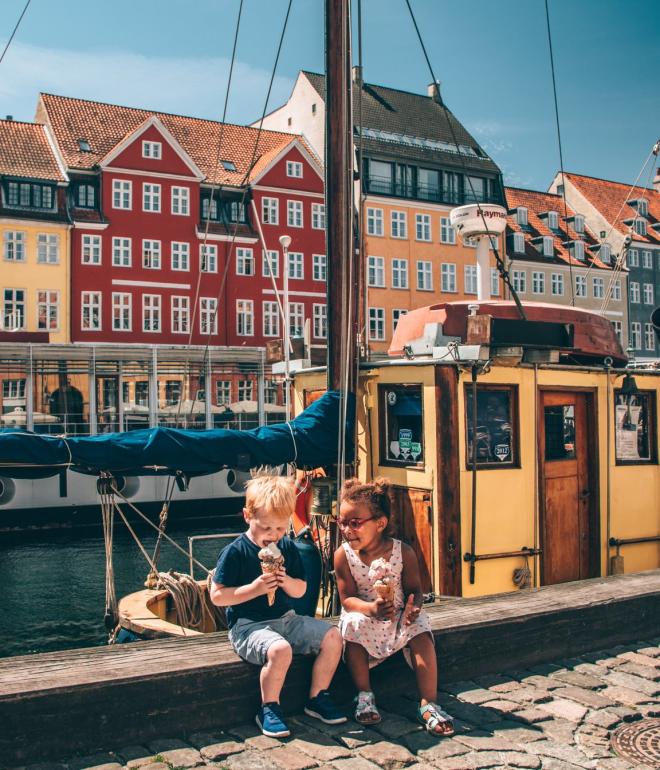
(318, 216)
(383, 439)
(294, 169)
(421, 266)
(270, 211)
(399, 223)
(152, 192)
(180, 198)
(124, 189)
(515, 426)
(652, 418)
(121, 306)
(148, 148)
(294, 212)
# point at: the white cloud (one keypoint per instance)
(188, 86)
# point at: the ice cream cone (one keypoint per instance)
(271, 560)
(385, 590)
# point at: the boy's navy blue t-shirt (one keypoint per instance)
(239, 565)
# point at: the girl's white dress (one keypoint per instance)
(380, 638)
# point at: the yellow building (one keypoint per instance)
(34, 237)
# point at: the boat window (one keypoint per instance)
(635, 420)
(560, 432)
(401, 425)
(496, 434)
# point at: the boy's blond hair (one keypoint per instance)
(273, 495)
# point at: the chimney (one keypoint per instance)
(656, 180)
(357, 74)
(9, 117)
(433, 91)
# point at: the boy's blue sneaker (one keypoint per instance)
(323, 707)
(270, 721)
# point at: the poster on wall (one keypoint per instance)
(628, 427)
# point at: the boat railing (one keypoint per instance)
(618, 542)
(192, 539)
(472, 557)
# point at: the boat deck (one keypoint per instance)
(89, 699)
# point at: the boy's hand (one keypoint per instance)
(382, 609)
(264, 583)
(410, 611)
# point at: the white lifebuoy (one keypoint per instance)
(7, 490)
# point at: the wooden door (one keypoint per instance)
(568, 494)
(412, 522)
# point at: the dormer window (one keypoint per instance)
(577, 250)
(643, 207)
(605, 253)
(639, 226)
(578, 224)
(518, 243)
(548, 246)
(521, 216)
(153, 150)
(84, 145)
(553, 220)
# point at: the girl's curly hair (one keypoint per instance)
(376, 495)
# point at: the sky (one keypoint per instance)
(492, 57)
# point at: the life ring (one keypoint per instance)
(301, 516)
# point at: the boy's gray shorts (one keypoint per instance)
(252, 638)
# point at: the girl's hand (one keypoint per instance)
(382, 609)
(410, 611)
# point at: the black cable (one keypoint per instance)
(11, 37)
(504, 273)
(561, 154)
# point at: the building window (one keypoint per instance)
(91, 249)
(605, 253)
(633, 258)
(28, 195)
(151, 197)
(180, 314)
(296, 319)
(649, 337)
(548, 246)
(495, 442)
(121, 312)
(635, 427)
(375, 222)
(494, 282)
(270, 211)
(172, 392)
(151, 254)
(181, 201)
(519, 281)
(557, 281)
(151, 312)
(13, 389)
(598, 288)
(180, 256)
(85, 196)
(648, 294)
(121, 252)
(296, 265)
(424, 275)
(578, 250)
(447, 232)
(294, 213)
(294, 169)
(636, 335)
(538, 283)
(152, 150)
(578, 223)
(244, 317)
(13, 309)
(647, 259)
(208, 258)
(618, 330)
(223, 392)
(244, 262)
(245, 390)
(399, 273)
(521, 216)
(319, 267)
(634, 292)
(271, 319)
(448, 277)
(320, 317)
(90, 309)
(402, 426)
(14, 245)
(639, 226)
(48, 249)
(122, 194)
(210, 208)
(376, 323)
(643, 207)
(580, 286)
(616, 289)
(470, 279)
(423, 227)
(270, 266)
(396, 314)
(48, 310)
(399, 224)
(318, 216)
(553, 220)
(208, 315)
(376, 271)
(518, 243)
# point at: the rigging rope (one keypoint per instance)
(14, 31)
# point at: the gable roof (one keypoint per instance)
(417, 116)
(538, 203)
(106, 125)
(26, 151)
(608, 198)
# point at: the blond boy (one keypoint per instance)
(268, 634)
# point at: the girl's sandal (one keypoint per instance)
(433, 717)
(366, 712)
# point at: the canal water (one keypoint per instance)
(53, 583)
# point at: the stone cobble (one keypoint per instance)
(555, 716)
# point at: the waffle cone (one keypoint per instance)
(268, 566)
(384, 590)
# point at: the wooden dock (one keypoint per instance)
(80, 701)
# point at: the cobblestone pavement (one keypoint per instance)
(555, 716)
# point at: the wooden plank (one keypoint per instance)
(95, 699)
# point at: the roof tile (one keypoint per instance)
(26, 152)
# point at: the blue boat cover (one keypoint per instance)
(310, 440)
